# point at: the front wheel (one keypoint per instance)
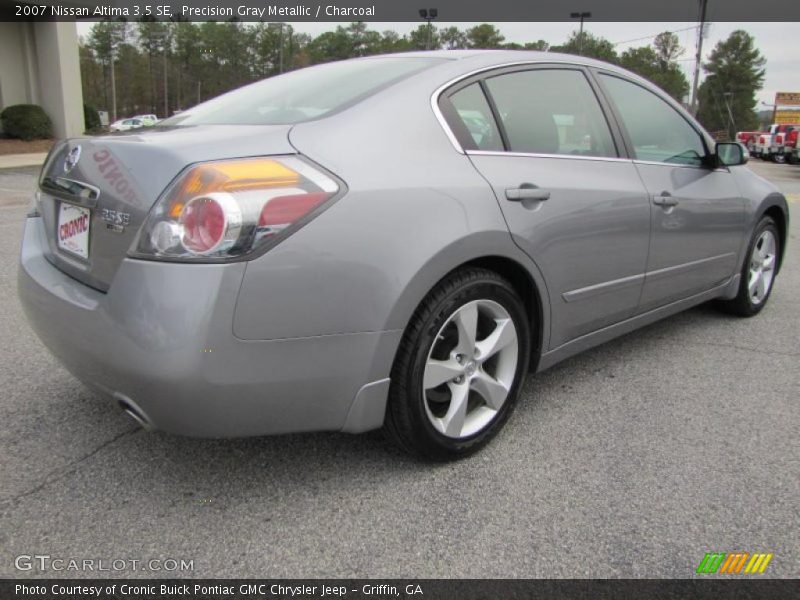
(460, 366)
(758, 272)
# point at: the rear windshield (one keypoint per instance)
(304, 94)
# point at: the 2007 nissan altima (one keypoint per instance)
(392, 241)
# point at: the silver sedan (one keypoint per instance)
(393, 241)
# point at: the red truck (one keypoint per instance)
(770, 144)
(789, 148)
(748, 138)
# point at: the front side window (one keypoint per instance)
(551, 111)
(657, 131)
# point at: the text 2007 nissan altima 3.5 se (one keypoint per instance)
(393, 241)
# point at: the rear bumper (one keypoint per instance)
(162, 340)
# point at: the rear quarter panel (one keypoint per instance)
(415, 209)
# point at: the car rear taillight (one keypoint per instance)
(227, 209)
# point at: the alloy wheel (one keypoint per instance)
(762, 267)
(470, 368)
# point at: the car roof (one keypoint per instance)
(500, 57)
(465, 62)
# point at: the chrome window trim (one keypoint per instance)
(535, 155)
(675, 165)
(438, 92)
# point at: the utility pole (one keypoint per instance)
(163, 37)
(731, 122)
(166, 94)
(581, 16)
(698, 59)
(280, 50)
(113, 90)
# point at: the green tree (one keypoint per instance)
(155, 40)
(391, 41)
(659, 68)
(104, 40)
(668, 48)
(188, 62)
(484, 35)
(540, 45)
(734, 74)
(331, 45)
(452, 38)
(92, 77)
(592, 46)
(418, 38)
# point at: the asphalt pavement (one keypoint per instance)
(631, 460)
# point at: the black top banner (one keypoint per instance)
(401, 10)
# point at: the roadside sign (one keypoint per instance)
(787, 117)
(787, 98)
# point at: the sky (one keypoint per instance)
(778, 42)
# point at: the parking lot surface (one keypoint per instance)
(631, 460)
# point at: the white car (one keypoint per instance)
(126, 124)
(147, 120)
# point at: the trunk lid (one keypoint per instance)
(97, 192)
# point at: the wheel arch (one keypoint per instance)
(525, 286)
(499, 255)
(781, 220)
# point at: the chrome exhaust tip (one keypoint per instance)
(134, 412)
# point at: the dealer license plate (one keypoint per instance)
(73, 229)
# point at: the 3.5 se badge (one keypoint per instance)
(115, 220)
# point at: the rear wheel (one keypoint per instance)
(758, 272)
(460, 366)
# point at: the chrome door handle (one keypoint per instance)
(665, 200)
(527, 193)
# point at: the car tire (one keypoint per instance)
(758, 272)
(462, 408)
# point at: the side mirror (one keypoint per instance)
(731, 154)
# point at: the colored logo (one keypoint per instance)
(734, 563)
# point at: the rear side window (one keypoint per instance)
(551, 111)
(657, 131)
(475, 120)
(304, 94)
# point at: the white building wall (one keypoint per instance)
(40, 65)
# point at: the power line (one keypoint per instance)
(649, 37)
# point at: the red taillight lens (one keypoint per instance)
(284, 210)
(203, 223)
(226, 209)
